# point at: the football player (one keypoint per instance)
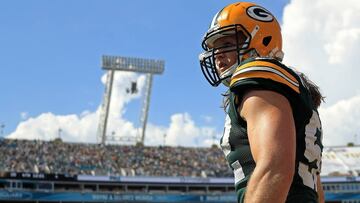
(272, 138)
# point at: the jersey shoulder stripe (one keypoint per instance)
(266, 69)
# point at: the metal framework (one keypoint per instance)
(139, 65)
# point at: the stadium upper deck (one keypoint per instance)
(92, 159)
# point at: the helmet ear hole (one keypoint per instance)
(266, 40)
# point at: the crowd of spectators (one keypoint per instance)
(59, 157)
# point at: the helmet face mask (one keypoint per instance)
(257, 34)
(207, 58)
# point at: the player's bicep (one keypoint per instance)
(270, 126)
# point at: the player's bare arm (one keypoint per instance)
(271, 132)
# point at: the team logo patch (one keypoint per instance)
(260, 14)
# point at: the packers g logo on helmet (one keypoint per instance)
(259, 13)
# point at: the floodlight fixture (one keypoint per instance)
(133, 64)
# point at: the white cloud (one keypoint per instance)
(182, 131)
(24, 115)
(207, 119)
(46, 127)
(83, 127)
(322, 39)
(155, 135)
(341, 122)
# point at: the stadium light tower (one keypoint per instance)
(139, 65)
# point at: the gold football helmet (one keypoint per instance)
(253, 23)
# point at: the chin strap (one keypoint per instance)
(276, 53)
(226, 76)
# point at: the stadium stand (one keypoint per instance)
(54, 171)
(120, 160)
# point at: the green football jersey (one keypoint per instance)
(270, 74)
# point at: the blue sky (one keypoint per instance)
(51, 53)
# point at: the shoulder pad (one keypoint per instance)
(265, 68)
